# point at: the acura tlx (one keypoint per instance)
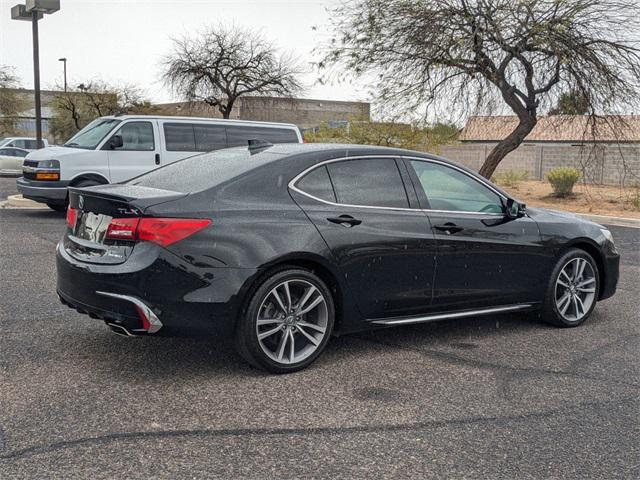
(280, 247)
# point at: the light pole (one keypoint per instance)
(34, 10)
(64, 62)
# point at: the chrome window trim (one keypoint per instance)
(295, 179)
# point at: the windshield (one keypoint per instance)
(91, 135)
(4, 141)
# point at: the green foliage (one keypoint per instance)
(511, 178)
(74, 109)
(635, 201)
(400, 135)
(562, 180)
(11, 103)
(573, 102)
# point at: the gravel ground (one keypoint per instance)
(492, 397)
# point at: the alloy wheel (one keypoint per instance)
(292, 321)
(575, 290)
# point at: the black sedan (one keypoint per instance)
(283, 246)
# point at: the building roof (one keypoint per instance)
(556, 128)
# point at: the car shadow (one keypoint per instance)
(210, 354)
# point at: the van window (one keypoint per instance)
(31, 144)
(179, 137)
(239, 135)
(136, 136)
(209, 137)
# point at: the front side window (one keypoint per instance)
(31, 144)
(318, 184)
(91, 135)
(449, 189)
(136, 136)
(374, 182)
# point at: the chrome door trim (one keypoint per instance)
(295, 179)
(445, 316)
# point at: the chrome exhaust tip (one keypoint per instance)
(120, 330)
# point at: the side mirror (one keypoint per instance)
(513, 209)
(116, 142)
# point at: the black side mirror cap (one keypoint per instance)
(513, 209)
(116, 142)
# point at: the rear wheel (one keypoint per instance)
(573, 290)
(287, 322)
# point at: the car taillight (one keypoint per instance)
(122, 228)
(162, 231)
(72, 215)
(165, 231)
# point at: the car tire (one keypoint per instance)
(58, 207)
(573, 289)
(287, 321)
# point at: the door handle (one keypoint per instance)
(345, 220)
(157, 159)
(449, 228)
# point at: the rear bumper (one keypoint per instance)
(54, 193)
(180, 296)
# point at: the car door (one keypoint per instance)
(484, 258)
(139, 152)
(383, 247)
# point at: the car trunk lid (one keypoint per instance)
(93, 210)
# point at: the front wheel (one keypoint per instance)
(287, 322)
(573, 290)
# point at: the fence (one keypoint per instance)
(601, 164)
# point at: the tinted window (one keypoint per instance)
(449, 189)
(31, 144)
(373, 182)
(8, 152)
(18, 143)
(238, 136)
(137, 136)
(179, 137)
(209, 137)
(203, 171)
(318, 184)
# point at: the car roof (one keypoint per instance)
(343, 149)
(204, 119)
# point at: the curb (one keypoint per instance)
(616, 221)
(17, 202)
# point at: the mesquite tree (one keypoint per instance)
(221, 64)
(475, 55)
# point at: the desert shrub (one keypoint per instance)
(562, 180)
(510, 178)
(635, 201)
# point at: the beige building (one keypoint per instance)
(305, 113)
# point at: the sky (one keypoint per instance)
(123, 41)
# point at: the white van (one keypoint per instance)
(116, 148)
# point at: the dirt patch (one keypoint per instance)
(598, 200)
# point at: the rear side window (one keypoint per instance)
(318, 184)
(179, 137)
(372, 182)
(239, 135)
(209, 137)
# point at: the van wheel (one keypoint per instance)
(58, 207)
(287, 322)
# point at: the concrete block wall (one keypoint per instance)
(606, 164)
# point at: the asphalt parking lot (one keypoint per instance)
(492, 397)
